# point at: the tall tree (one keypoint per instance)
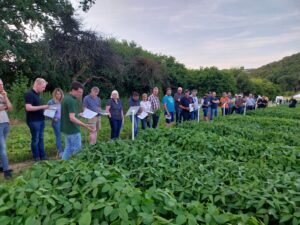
(78, 54)
(18, 17)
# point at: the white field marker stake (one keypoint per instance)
(132, 124)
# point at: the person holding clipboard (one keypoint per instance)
(35, 118)
(55, 102)
(93, 103)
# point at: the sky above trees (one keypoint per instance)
(222, 33)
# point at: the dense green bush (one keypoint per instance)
(16, 94)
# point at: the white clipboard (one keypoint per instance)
(132, 109)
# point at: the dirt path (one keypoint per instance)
(19, 167)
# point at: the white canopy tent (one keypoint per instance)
(297, 96)
(279, 99)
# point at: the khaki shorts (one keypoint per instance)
(96, 121)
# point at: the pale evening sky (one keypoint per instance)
(222, 33)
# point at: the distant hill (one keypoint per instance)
(285, 72)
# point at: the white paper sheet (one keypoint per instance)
(168, 117)
(191, 107)
(88, 114)
(50, 113)
(53, 107)
(143, 115)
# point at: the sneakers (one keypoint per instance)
(7, 174)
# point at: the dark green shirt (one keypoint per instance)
(69, 105)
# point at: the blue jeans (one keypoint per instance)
(4, 130)
(56, 128)
(194, 115)
(145, 122)
(178, 115)
(205, 112)
(72, 145)
(115, 128)
(186, 115)
(37, 139)
(213, 113)
(155, 119)
(225, 111)
(136, 124)
(230, 109)
(240, 110)
(250, 107)
(168, 121)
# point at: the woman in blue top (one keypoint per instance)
(58, 96)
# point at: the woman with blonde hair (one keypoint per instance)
(114, 108)
(57, 97)
(146, 107)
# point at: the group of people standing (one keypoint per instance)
(186, 105)
(181, 106)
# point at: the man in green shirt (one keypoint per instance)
(70, 124)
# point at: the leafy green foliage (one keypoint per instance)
(85, 193)
(212, 79)
(230, 171)
(16, 94)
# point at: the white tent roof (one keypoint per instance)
(297, 96)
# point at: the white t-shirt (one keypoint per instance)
(196, 102)
(146, 105)
(3, 114)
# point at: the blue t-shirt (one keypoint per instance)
(214, 105)
(91, 103)
(169, 100)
